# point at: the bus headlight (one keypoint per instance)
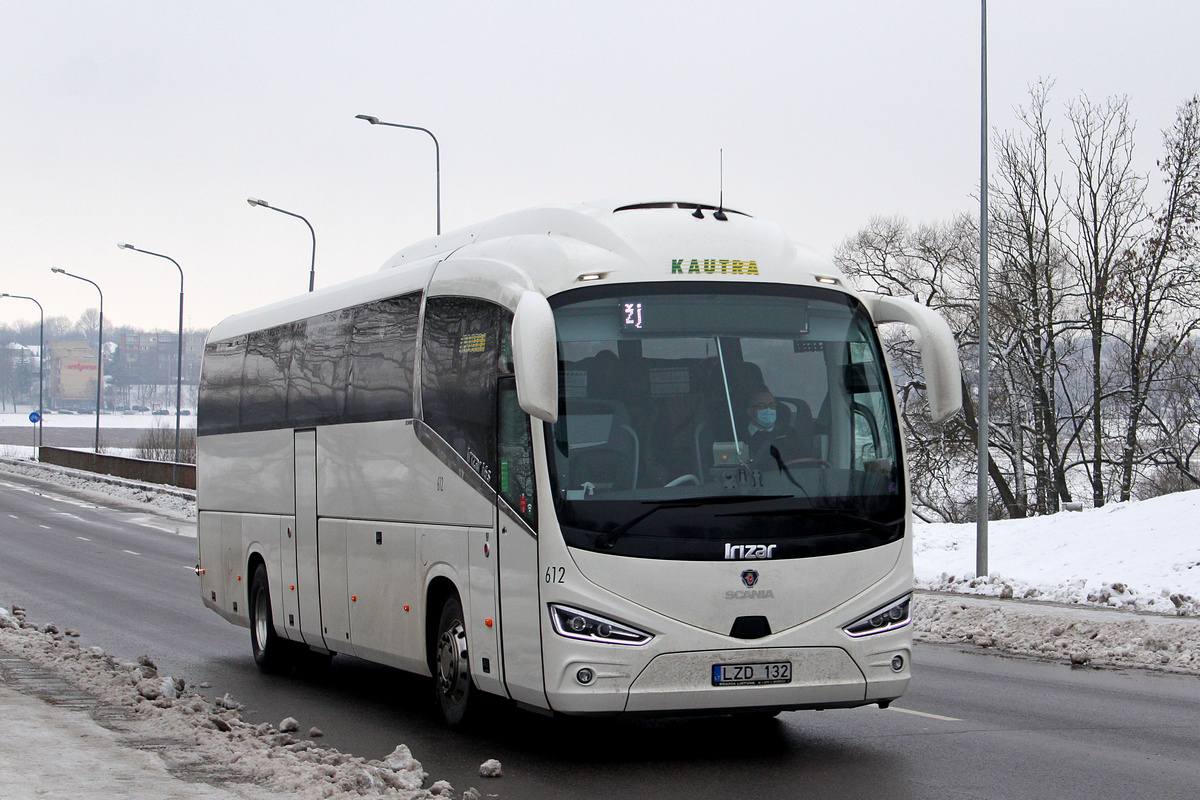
(575, 624)
(892, 616)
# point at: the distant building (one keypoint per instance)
(71, 373)
(150, 358)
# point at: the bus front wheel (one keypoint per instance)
(453, 676)
(271, 653)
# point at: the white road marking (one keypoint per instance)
(83, 538)
(925, 714)
(131, 552)
(47, 527)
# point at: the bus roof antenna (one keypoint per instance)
(720, 212)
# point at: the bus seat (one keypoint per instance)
(605, 447)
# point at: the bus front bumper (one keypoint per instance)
(821, 677)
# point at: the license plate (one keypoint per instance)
(751, 674)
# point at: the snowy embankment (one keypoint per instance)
(254, 761)
(1142, 556)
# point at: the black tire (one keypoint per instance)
(452, 665)
(272, 653)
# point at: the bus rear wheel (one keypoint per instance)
(271, 652)
(452, 677)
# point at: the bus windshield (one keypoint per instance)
(695, 421)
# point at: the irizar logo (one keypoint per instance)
(737, 551)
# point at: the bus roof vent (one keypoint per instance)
(676, 204)
(750, 628)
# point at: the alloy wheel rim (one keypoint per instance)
(452, 663)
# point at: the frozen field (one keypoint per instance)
(20, 419)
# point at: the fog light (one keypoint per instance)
(585, 676)
(897, 663)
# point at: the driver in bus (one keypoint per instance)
(764, 431)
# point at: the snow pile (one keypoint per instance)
(170, 501)
(1041, 630)
(1141, 556)
(213, 735)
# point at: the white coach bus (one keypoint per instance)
(594, 459)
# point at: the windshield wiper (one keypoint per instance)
(886, 526)
(607, 540)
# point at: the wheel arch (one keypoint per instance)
(253, 560)
(440, 588)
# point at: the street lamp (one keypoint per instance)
(179, 362)
(41, 358)
(981, 491)
(437, 157)
(312, 273)
(99, 347)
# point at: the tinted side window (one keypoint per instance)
(320, 370)
(265, 379)
(516, 481)
(458, 392)
(382, 352)
(220, 386)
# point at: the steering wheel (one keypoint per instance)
(683, 480)
(819, 462)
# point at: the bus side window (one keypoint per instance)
(320, 370)
(459, 355)
(221, 386)
(382, 353)
(515, 480)
(265, 379)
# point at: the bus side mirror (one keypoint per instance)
(535, 357)
(939, 351)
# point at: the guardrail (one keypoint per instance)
(137, 469)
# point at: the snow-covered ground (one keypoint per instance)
(252, 761)
(1141, 555)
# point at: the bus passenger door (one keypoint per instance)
(308, 588)
(517, 550)
(483, 632)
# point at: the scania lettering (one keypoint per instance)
(531, 459)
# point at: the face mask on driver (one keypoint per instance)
(765, 417)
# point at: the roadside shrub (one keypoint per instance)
(158, 444)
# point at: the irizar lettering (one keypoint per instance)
(736, 551)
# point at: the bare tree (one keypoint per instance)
(1105, 210)
(935, 264)
(1033, 287)
(1159, 285)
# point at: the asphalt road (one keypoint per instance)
(973, 725)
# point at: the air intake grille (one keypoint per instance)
(750, 628)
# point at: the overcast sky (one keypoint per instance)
(152, 122)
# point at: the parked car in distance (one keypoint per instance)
(139, 408)
(160, 412)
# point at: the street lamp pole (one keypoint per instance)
(179, 357)
(41, 359)
(437, 157)
(312, 272)
(981, 501)
(99, 347)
